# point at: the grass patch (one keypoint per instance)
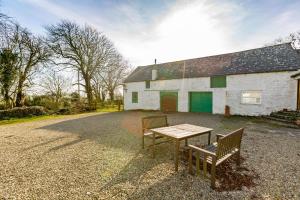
(29, 119)
(109, 109)
(45, 117)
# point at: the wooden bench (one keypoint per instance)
(153, 122)
(214, 154)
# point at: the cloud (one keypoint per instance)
(278, 25)
(182, 29)
(64, 12)
(188, 29)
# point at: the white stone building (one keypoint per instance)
(253, 82)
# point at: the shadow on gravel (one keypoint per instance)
(44, 143)
(108, 124)
(122, 130)
(133, 175)
(106, 128)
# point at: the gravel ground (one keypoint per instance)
(98, 156)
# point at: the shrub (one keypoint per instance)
(64, 111)
(42, 100)
(2, 105)
(20, 112)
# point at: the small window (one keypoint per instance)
(147, 84)
(218, 82)
(134, 97)
(251, 97)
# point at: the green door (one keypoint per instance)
(201, 102)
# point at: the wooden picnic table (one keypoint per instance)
(178, 133)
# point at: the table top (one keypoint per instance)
(181, 131)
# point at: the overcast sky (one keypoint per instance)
(167, 30)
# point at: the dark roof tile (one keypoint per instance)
(267, 59)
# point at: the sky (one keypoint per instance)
(167, 30)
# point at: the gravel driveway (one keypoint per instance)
(98, 156)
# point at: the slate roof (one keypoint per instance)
(275, 58)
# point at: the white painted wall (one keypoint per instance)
(278, 91)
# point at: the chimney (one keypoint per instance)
(154, 74)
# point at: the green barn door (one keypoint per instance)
(201, 102)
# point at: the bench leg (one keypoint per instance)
(143, 141)
(213, 173)
(209, 135)
(153, 145)
(238, 158)
(190, 161)
(172, 149)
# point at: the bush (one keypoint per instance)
(2, 106)
(64, 111)
(20, 112)
(42, 100)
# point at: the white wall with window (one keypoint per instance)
(251, 97)
(261, 94)
(246, 94)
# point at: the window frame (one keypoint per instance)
(147, 84)
(214, 85)
(133, 98)
(251, 103)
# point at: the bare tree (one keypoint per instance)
(32, 53)
(114, 75)
(6, 31)
(8, 74)
(55, 85)
(99, 88)
(293, 38)
(81, 48)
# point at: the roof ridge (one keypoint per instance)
(282, 44)
(279, 57)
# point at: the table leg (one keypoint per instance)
(186, 142)
(153, 145)
(172, 143)
(209, 135)
(177, 144)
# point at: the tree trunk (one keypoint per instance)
(20, 95)
(103, 96)
(111, 95)
(89, 93)
(6, 99)
(97, 94)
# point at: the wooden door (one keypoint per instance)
(168, 101)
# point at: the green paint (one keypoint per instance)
(200, 102)
(166, 93)
(218, 82)
(135, 97)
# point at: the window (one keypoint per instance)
(251, 97)
(147, 84)
(218, 82)
(134, 97)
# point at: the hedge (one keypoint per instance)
(20, 112)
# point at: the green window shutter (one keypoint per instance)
(218, 82)
(147, 84)
(134, 97)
